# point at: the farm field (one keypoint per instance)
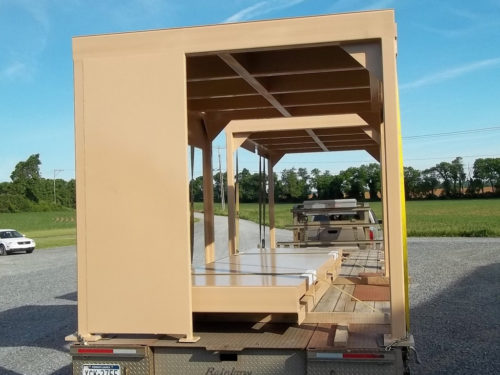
(48, 229)
(439, 218)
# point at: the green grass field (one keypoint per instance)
(454, 218)
(439, 218)
(48, 229)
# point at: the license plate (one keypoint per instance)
(101, 370)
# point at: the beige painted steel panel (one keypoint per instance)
(238, 280)
(272, 261)
(269, 281)
(131, 137)
(131, 122)
(248, 299)
(360, 26)
(394, 192)
(293, 250)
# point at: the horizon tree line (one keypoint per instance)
(29, 191)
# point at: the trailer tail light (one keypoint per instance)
(371, 235)
(362, 356)
(107, 351)
(336, 356)
(94, 351)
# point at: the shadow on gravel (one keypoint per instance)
(35, 325)
(458, 331)
(69, 296)
(4, 371)
(66, 370)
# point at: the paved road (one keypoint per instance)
(455, 299)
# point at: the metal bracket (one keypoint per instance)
(189, 339)
(390, 342)
(77, 337)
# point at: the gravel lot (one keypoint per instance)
(37, 310)
(455, 304)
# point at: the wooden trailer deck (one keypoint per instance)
(339, 297)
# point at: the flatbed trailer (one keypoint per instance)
(275, 88)
(233, 345)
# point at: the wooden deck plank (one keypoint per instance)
(364, 306)
(383, 306)
(329, 300)
(345, 304)
(360, 262)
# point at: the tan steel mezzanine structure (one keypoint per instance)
(324, 83)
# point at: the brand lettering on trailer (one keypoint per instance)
(223, 371)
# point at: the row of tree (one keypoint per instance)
(452, 180)
(29, 191)
(445, 179)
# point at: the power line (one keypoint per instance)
(459, 132)
(449, 157)
(443, 134)
(371, 161)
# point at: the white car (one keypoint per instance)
(12, 241)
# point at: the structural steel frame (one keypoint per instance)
(141, 98)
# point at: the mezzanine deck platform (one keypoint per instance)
(289, 281)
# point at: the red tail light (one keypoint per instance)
(95, 351)
(362, 356)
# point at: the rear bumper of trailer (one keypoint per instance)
(272, 349)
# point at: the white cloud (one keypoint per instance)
(25, 39)
(246, 13)
(261, 8)
(359, 5)
(451, 73)
(16, 69)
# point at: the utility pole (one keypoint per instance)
(221, 179)
(56, 171)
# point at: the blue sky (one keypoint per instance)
(448, 67)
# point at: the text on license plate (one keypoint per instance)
(101, 370)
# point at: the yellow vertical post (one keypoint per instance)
(393, 180)
(403, 217)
